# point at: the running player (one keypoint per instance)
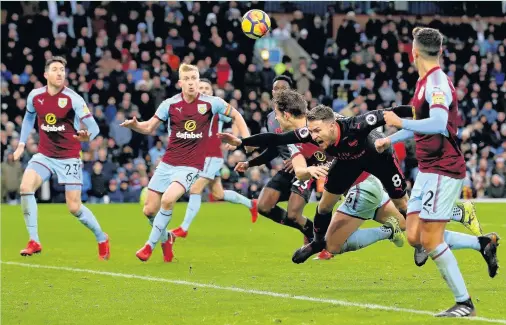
(188, 115)
(283, 186)
(210, 176)
(442, 167)
(59, 112)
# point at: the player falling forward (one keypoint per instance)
(351, 142)
(310, 162)
(283, 186)
(442, 168)
(210, 176)
(59, 112)
(188, 115)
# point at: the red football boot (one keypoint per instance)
(32, 248)
(104, 251)
(168, 253)
(254, 210)
(324, 255)
(179, 232)
(144, 253)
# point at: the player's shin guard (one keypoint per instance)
(457, 240)
(88, 219)
(165, 235)
(192, 210)
(449, 269)
(234, 197)
(364, 237)
(160, 224)
(321, 224)
(29, 207)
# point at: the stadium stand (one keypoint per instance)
(123, 59)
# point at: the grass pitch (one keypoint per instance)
(227, 271)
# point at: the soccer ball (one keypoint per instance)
(255, 24)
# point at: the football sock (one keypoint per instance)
(234, 197)
(29, 207)
(321, 223)
(457, 214)
(364, 237)
(88, 219)
(165, 235)
(276, 214)
(160, 224)
(457, 240)
(449, 269)
(306, 230)
(191, 210)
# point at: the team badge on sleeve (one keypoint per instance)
(303, 133)
(371, 119)
(86, 110)
(202, 108)
(62, 102)
(438, 98)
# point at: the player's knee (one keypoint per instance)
(26, 188)
(324, 208)
(74, 206)
(149, 211)
(167, 203)
(264, 207)
(217, 195)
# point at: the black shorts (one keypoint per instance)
(286, 184)
(342, 174)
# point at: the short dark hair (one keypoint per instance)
(428, 40)
(206, 81)
(283, 77)
(321, 113)
(54, 59)
(291, 102)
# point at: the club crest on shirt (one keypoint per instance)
(202, 108)
(420, 93)
(62, 102)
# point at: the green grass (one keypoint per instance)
(225, 249)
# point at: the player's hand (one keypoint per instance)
(391, 119)
(130, 123)
(19, 151)
(318, 171)
(82, 135)
(241, 166)
(288, 166)
(230, 139)
(382, 144)
(230, 147)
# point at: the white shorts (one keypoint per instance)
(212, 168)
(433, 196)
(364, 199)
(166, 174)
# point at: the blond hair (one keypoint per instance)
(187, 67)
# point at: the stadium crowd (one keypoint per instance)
(123, 59)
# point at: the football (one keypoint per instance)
(255, 24)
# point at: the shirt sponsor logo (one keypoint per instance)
(320, 156)
(52, 128)
(50, 119)
(190, 126)
(62, 102)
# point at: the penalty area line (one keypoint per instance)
(248, 291)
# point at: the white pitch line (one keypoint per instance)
(249, 291)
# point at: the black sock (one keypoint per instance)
(308, 230)
(276, 214)
(321, 224)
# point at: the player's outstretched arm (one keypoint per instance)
(240, 123)
(435, 124)
(92, 128)
(265, 157)
(146, 127)
(267, 139)
(367, 122)
(385, 143)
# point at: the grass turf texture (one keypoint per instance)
(225, 249)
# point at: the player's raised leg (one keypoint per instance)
(269, 198)
(219, 194)
(295, 218)
(32, 180)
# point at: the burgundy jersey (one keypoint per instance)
(214, 143)
(438, 153)
(58, 117)
(189, 127)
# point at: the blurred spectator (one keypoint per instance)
(496, 188)
(11, 178)
(98, 184)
